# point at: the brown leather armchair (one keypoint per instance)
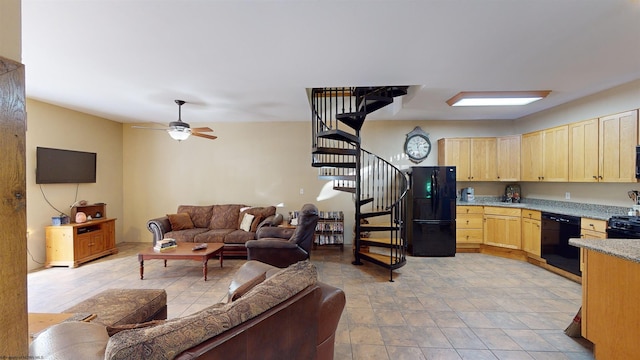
(282, 247)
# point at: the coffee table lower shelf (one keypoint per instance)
(184, 251)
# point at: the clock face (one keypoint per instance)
(417, 147)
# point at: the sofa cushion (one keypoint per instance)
(174, 336)
(213, 236)
(185, 235)
(225, 216)
(239, 237)
(112, 330)
(180, 221)
(200, 215)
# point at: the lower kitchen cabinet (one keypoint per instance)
(531, 231)
(73, 244)
(502, 227)
(469, 224)
(591, 229)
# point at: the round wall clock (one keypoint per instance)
(417, 146)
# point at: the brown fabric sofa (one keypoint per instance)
(216, 224)
(305, 313)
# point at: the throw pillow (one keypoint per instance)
(246, 222)
(180, 221)
(112, 330)
(244, 288)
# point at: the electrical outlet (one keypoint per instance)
(567, 195)
(301, 191)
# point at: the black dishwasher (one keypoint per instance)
(556, 231)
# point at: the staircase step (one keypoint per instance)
(334, 151)
(366, 201)
(374, 214)
(386, 261)
(379, 242)
(374, 103)
(343, 165)
(353, 120)
(347, 189)
(336, 134)
(378, 227)
(337, 177)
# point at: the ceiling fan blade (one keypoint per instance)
(204, 135)
(202, 129)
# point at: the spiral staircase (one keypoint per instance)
(379, 188)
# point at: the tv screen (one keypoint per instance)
(58, 166)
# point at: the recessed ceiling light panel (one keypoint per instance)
(496, 98)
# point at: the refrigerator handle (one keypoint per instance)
(435, 192)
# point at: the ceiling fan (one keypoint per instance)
(180, 130)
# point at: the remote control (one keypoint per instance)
(199, 247)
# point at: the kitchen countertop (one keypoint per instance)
(628, 249)
(592, 211)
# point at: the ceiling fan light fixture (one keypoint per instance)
(179, 134)
(497, 98)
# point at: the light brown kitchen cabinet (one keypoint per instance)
(618, 137)
(555, 157)
(502, 227)
(508, 158)
(73, 244)
(469, 224)
(456, 152)
(591, 229)
(583, 151)
(531, 231)
(545, 155)
(531, 157)
(474, 158)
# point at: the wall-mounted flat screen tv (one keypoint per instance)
(58, 166)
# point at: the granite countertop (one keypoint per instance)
(593, 211)
(628, 249)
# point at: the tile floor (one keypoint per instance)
(471, 306)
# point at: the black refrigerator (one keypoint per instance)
(432, 211)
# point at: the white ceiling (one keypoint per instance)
(251, 60)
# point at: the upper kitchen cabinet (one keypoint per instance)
(618, 138)
(531, 157)
(555, 158)
(456, 152)
(508, 158)
(583, 151)
(545, 155)
(474, 158)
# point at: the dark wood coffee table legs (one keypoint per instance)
(182, 252)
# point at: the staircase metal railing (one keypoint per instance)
(378, 186)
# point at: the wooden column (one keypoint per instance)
(14, 334)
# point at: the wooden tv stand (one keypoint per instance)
(74, 244)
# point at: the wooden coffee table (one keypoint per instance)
(182, 252)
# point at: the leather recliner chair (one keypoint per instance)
(282, 247)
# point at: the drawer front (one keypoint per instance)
(502, 211)
(531, 214)
(594, 225)
(468, 222)
(462, 209)
(590, 234)
(473, 236)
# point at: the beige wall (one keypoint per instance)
(254, 164)
(56, 127)
(10, 30)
